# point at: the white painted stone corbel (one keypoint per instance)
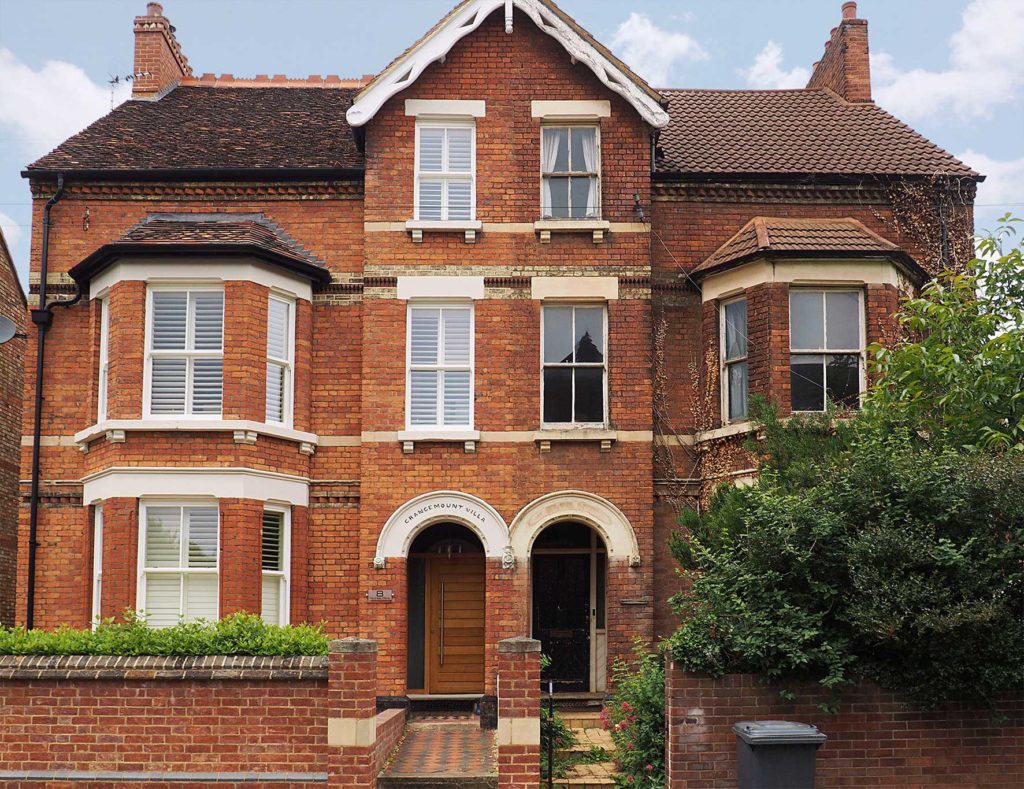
(598, 236)
(508, 558)
(379, 562)
(470, 236)
(545, 445)
(634, 561)
(545, 236)
(508, 17)
(246, 436)
(408, 447)
(115, 436)
(606, 445)
(83, 447)
(307, 448)
(417, 235)
(470, 447)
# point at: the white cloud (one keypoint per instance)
(985, 69)
(767, 71)
(42, 108)
(651, 51)
(12, 233)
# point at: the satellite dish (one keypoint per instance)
(8, 329)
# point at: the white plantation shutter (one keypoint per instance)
(186, 352)
(440, 367)
(274, 556)
(445, 172)
(279, 356)
(180, 563)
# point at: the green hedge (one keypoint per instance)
(238, 634)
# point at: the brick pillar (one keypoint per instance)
(518, 713)
(352, 713)
(120, 554)
(241, 577)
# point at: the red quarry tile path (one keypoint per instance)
(444, 749)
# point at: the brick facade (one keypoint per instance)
(876, 739)
(344, 466)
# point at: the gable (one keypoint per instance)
(467, 17)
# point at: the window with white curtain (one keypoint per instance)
(826, 341)
(445, 171)
(101, 398)
(186, 352)
(575, 370)
(97, 564)
(570, 172)
(735, 376)
(275, 556)
(440, 367)
(280, 345)
(179, 549)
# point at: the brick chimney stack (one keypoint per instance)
(844, 67)
(159, 61)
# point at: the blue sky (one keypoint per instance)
(953, 69)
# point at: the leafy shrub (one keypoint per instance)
(238, 634)
(635, 715)
(554, 733)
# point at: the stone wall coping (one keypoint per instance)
(150, 667)
(350, 645)
(519, 644)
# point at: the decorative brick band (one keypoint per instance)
(208, 667)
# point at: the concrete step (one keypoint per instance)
(582, 719)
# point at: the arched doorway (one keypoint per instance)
(568, 577)
(446, 574)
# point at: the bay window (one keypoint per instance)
(275, 542)
(574, 375)
(570, 172)
(180, 547)
(280, 344)
(826, 334)
(735, 373)
(185, 351)
(439, 385)
(445, 171)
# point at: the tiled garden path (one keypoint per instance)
(442, 749)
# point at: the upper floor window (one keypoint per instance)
(574, 365)
(280, 344)
(275, 542)
(570, 172)
(735, 377)
(179, 578)
(185, 352)
(440, 367)
(826, 340)
(101, 399)
(445, 171)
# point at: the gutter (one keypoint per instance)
(203, 174)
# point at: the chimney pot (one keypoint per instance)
(849, 10)
(832, 32)
(154, 9)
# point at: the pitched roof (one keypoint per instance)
(716, 132)
(802, 237)
(467, 16)
(193, 128)
(218, 233)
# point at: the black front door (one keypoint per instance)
(561, 618)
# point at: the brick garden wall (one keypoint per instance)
(875, 740)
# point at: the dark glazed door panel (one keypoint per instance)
(561, 618)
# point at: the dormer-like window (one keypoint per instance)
(570, 172)
(445, 171)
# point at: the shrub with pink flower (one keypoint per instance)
(635, 716)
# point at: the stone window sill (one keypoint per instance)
(409, 438)
(546, 436)
(469, 228)
(245, 431)
(731, 429)
(596, 227)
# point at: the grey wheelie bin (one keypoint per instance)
(776, 754)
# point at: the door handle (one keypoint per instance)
(442, 623)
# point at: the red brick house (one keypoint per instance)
(434, 356)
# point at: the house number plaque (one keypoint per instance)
(380, 595)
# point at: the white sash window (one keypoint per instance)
(179, 547)
(735, 375)
(280, 350)
(826, 342)
(97, 564)
(574, 383)
(275, 557)
(570, 172)
(445, 171)
(440, 367)
(186, 352)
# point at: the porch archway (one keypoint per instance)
(575, 505)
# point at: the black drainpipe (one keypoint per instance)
(42, 317)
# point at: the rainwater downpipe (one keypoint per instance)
(42, 317)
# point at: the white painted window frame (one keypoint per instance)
(439, 368)
(604, 365)
(97, 564)
(102, 391)
(859, 352)
(283, 575)
(190, 329)
(144, 571)
(288, 364)
(724, 363)
(568, 124)
(440, 122)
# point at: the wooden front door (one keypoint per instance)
(455, 624)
